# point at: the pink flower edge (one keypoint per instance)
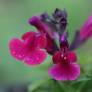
(60, 72)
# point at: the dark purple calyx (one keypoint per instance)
(58, 20)
(77, 42)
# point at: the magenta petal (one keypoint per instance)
(56, 57)
(62, 72)
(28, 34)
(36, 57)
(35, 39)
(72, 57)
(40, 25)
(40, 40)
(86, 30)
(17, 49)
(36, 21)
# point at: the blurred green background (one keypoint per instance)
(14, 15)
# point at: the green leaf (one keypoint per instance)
(48, 86)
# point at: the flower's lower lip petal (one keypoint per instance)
(28, 34)
(62, 72)
(75, 71)
(56, 73)
(36, 57)
(40, 40)
(17, 49)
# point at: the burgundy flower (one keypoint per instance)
(65, 67)
(29, 49)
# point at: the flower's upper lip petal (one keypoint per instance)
(41, 26)
(64, 72)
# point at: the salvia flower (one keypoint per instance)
(29, 49)
(65, 67)
(52, 38)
